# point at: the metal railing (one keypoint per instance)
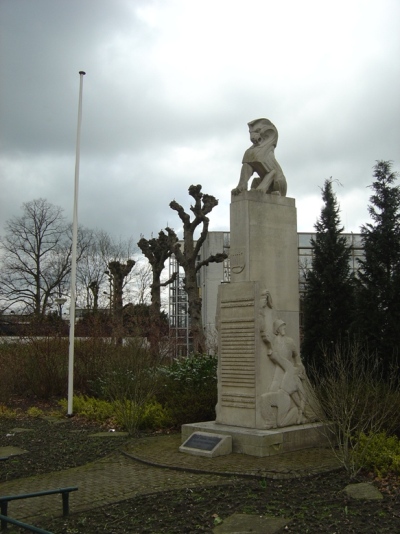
(31, 528)
(6, 499)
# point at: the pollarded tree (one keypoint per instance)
(378, 288)
(187, 256)
(36, 253)
(93, 271)
(157, 250)
(328, 304)
(118, 273)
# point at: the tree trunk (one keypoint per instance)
(119, 272)
(196, 322)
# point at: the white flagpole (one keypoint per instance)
(73, 257)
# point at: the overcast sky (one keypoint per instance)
(169, 90)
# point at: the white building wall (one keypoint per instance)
(211, 277)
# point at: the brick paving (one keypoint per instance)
(149, 465)
(163, 451)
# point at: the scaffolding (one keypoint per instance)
(178, 311)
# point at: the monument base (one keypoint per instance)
(255, 442)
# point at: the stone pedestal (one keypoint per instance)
(263, 443)
(264, 249)
(263, 256)
(263, 393)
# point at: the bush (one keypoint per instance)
(155, 416)
(130, 383)
(92, 357)
(11, 370)
(379, 453)
(189, 389)
(355, 399)
(34, 367)
(34, 412)
(151, 416)
(7, 413)
(38, 366)
(46, 366)
(93, 409)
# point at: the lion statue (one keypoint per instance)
(260, 158)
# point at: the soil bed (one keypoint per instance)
(53, 445)
(311, 505)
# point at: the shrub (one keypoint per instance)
(8, 371)
(38, 366)
(46, 365)
(379, 453)
(355, 399)
(155, 416)
(92, 357)
(35, 412)
(194, 370)
(189, 388)
(150, 416)
(93, 409)
(7, 413)
(130, 383)
(34, 366)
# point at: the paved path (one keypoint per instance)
(109, 480)
(151, 465)
(164, 451)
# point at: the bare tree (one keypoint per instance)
(157, 251)
(187, 257)
(114, 249)
(90, 274)
(93, 268)
(141, 283)
(118, 272)
(94, 288)
(36, 256)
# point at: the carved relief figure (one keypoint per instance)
(284, 402)
(267, 315)
(260, 158)
(289, 371)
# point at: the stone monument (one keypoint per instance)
(264, 397)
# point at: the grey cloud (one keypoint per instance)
(148, 132)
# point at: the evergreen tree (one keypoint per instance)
(329, 291)
(378, 288)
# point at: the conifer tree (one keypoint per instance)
(378, 288)
(329, 296)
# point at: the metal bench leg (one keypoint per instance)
(65, 502)
(4, 510)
